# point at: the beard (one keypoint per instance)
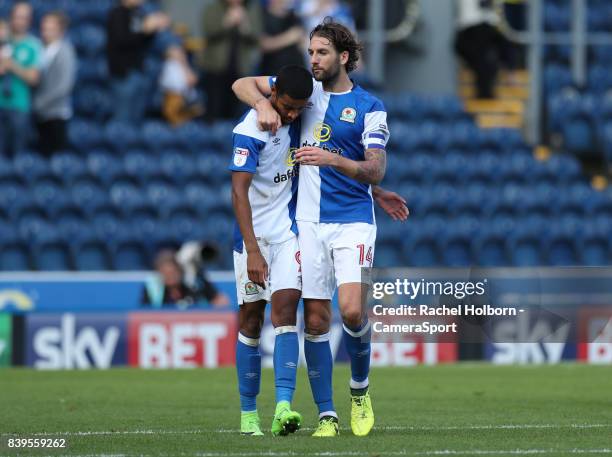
(326, 76)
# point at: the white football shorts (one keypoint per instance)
(334, 254)
(284, 271)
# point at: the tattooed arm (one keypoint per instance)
(369, 171)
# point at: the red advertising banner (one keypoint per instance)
(408, 349)
(181, 340)
(595, 335)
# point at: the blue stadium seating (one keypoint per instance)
(104, 165)
(131, 255)
(88, 39)
(85, 135)
(177, 166)
(91, 255)
(120, 137)
(67, 166)
(15, 256)
(476, 196)
(52, 256)
(93, 102)
(158, 136)
(126, 195)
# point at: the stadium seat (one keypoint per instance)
(525, 243)
(7, 170)
(388, 255)
(121, 137)
(104, 166)
(595, 247)
(30, 166)
(107, 223)
(84, 135)
(177, 166)
(162, 194)
(66, 166)
(93, 102)
(49, 193)
(15, 257)
(87, 193)
(72, 224)
(489, 249)
(194, 137)
(92, 71)
(213, 168)
(91, 255)
(158, 137)
(52, 256)
(125, 194)
(145, 223)
(560, 247)
(13, 195)
(450, 170)
(89, 40)
(221, 135)
(199, 196)
(33, 224)
(130, 255)
(422, 252)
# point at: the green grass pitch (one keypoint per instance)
(455, 410)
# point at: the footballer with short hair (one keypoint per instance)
(266, 251)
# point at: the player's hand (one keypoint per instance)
(268, 120)
(257, 268)
(315, 156)
(392, 204)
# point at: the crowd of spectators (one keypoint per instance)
(38, 67)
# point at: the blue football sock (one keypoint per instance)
(358, 345)
(286, 354)
(320, 366)
(248, 366)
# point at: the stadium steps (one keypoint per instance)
(507, 109)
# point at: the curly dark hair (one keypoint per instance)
(341, 38)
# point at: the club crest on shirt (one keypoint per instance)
(250, 288)
(348, 115)
(240, 156)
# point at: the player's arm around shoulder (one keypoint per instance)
(254, 91)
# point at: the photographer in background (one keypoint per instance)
(192, 256)
(181, 280)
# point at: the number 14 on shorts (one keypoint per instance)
(363, 257)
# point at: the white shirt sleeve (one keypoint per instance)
(375, 132)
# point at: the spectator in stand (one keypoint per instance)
(283, 37)
(52, 99)
(479, 43)
(171, 288)
(313, 12)
(18, 74)
(5, 50)
(168, 287)
(130, 33)
(232, 29)
(178, 83)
